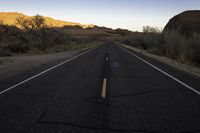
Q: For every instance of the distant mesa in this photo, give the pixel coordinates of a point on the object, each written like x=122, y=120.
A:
x=9, y=18
x=186, y=23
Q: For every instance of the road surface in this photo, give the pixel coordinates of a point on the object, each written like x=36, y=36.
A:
x=107, y=89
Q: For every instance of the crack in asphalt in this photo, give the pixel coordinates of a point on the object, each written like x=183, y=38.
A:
x=144, y=92
x=96, y=128
x=31, y=95
x=192, y=131
x=40, y=116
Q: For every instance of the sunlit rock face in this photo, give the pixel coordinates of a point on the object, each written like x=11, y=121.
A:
x=186, y=23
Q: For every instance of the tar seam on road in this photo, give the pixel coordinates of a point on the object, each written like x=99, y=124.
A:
x=45, y=71
x=165, y=73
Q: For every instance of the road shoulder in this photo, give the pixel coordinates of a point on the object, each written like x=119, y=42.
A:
x=16, y=65
x=180, y=66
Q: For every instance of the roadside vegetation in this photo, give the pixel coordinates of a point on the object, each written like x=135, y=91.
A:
x=172, y=44
x=33, y=35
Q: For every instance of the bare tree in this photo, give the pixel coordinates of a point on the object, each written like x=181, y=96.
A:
x=24, y=23
x=38, y=22
x=149, y=29
x=34, y=23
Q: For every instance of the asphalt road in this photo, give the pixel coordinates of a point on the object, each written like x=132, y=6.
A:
x=104, y=90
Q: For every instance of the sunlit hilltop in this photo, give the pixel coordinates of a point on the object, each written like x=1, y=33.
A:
x=9, y=18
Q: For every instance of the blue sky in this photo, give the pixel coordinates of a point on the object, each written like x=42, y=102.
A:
x=128, y=14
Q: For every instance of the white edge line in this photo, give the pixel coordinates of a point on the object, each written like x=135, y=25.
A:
x=177, y=80
x=45, y=71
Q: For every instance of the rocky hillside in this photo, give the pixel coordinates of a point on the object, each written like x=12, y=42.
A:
x=186, y=23
x=9, y=18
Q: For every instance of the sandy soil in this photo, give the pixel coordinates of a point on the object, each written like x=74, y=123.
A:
x=11, y=66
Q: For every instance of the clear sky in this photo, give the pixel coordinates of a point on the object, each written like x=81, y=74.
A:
x=128, y=14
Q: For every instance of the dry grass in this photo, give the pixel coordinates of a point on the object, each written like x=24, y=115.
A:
x=170, y=44
x=5, y=60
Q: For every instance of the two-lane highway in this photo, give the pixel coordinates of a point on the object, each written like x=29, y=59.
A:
x=107, y=89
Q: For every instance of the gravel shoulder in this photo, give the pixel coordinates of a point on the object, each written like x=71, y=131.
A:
x=183, y=67
x=15, y=65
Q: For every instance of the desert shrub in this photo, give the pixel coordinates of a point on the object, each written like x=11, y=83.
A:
x=172, y=44
x=146, y=41
x=192, y=49
x=182, y=48
x=4, y=52
x=32, y=35
x=17, y=46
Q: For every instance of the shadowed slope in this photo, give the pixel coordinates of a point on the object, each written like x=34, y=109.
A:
x=187, y=22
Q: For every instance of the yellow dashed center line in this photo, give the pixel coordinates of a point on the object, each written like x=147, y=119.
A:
x=103, y=94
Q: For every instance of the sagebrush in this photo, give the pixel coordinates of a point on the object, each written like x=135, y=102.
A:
x=172, y=44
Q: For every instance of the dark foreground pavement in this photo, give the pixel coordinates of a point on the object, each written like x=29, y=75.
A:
x=68, y=99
